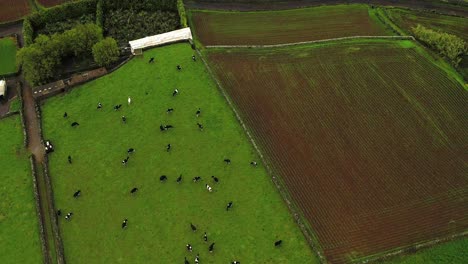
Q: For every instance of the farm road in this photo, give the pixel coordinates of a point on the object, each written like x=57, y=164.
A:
x=32, y=124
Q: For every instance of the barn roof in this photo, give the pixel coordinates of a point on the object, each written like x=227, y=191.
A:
x=160, y=39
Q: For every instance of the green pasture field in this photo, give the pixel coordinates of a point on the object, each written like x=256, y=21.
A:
x=453, y=252
x=159, y=214
x=285, y=26
x=7, y=55
x=19, y=234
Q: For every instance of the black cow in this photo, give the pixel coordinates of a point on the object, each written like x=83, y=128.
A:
x=168, y=126
x=189, y=247
x=186, y=261
x=175, y=92
x=77, y=194
x=124, y=162
x=168, y=147
x=205, y=237
x=65, y=115
x=179, y=179
x=194, y=58
x=179, y=68
x=99, y=106
x=69, y=159
x=253, y=163
x=134, y=190
x=124, y=223
x=59, y=212
x=198, y=113
x=124, y=119
x=130, y=150
x=163, y=178
x=197, y=259
x=235, y=262
x=170, y=110
x=200, y=126
x=117, y=107
x=215, y=179
x=151, y=60
x=229, y=206
x=196, y=178
x=228, y=161
x=75, y=124
x=278, y=243
x=211, y=248
x=162, y=128
x=194, y=228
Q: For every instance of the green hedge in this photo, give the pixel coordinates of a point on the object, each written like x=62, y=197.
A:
x=182, y=15
x=100, y=13
x=28, y=32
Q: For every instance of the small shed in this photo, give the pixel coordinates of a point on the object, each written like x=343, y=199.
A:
x=3, y=89
x=138, y=45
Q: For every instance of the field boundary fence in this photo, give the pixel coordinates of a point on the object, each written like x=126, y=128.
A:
x=309, y=42
x=411, y=248
x=280, y=186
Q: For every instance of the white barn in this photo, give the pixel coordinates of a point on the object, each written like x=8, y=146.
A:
x=138, y=45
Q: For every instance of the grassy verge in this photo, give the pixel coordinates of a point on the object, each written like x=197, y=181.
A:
x=160, y=213
x=19, y=235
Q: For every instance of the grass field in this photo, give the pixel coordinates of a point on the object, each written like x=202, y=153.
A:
x=19, y=234
x=287, y=26
x=368, y=136
x=7, y=56
x=13, y=10
x=453, y=252
x=160, y=214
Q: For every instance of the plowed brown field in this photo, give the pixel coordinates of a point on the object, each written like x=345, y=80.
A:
x=370, y=139
x=11, y=10
x=287, y=26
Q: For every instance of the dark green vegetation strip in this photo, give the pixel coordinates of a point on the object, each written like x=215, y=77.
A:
x=453, y=252
x=159, y=214
x=279, y=27
x=19, y=235
x=7, y=56
x=368, y=137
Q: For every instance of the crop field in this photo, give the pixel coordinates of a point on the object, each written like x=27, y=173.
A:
x=7, y=55
x=159, y=213
x=13, y=10
x=19, y=234
x=369, y=138
x=287, y=26
x=49, y=3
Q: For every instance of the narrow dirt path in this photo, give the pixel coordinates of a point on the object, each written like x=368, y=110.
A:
x=53, y=248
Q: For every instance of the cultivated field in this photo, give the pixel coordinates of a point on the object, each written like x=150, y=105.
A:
x=11, y=10
x=278, y=27
x=7, y=55
x=19, y=234
x=159, y=214
x=368, y=136
x=49, y=3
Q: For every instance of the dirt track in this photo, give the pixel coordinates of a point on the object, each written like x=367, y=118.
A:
x=460, y=10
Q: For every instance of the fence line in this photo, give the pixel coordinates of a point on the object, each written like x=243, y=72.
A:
x=310, y=42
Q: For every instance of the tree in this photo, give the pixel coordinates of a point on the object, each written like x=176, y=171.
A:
x=83, y=37
x=105, y=52
x=450, y=46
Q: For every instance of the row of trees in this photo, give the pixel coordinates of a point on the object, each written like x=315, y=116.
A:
x=42, y=59
x=450, y=46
